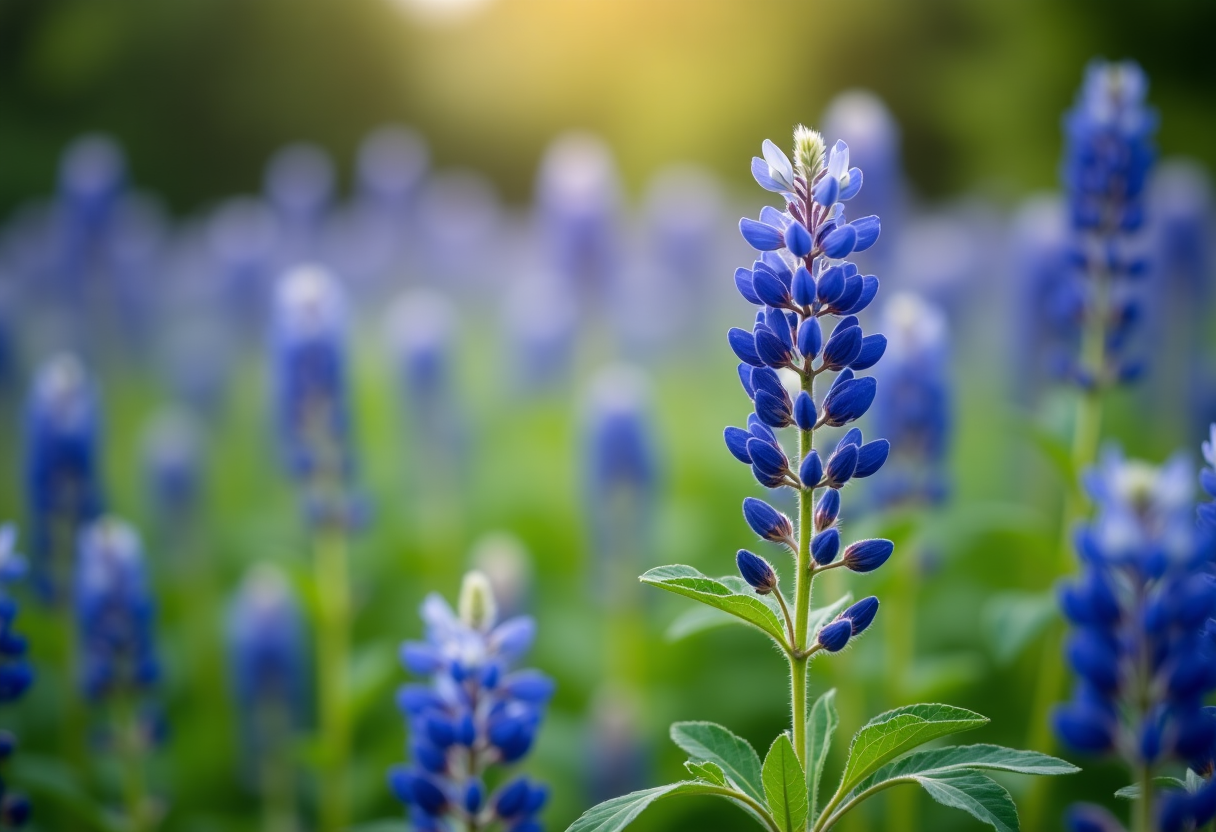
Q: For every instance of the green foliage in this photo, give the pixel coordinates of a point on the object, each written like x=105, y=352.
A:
x=708, y=742
x=785, y=786
x=820, y=726
x=979, y=796
x=705, y=770
x=684, y=580
x=1132, y=792
x=888, y=735
x=619, y=812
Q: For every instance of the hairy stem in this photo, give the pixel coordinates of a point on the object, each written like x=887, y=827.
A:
x=802, y=593
x=333, y=609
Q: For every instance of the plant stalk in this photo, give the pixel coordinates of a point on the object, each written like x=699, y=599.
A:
x=333, y=645
x=802, y=591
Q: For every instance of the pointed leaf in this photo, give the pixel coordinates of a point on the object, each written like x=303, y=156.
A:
x=619, y=812
x=820, y=726
x=956, y=758
x=709, y=742
x=686, y=581
x=1132, y=792
x=705, y=770
x=888, y=735
x=785, y=786
x=979, y=796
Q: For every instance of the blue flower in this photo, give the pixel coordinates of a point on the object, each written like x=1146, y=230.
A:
x=914, y=411
x=62, y=466
x=478, y=712
x=312, y=407
x=1108, y=155
x=807, y=298
x=1145, y=590
x=115, y=612
x=266, y=659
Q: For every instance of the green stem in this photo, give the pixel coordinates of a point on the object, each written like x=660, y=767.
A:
x=802, y=591
x=901, y=805
x=1087, y=434
x=1144, y=806
x=333, y=608
x=275, y=772
x=134, y=775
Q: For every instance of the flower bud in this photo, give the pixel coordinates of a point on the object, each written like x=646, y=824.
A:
x=833, y=637
x=766, y=521
x=861, y=614
x=867, y=555
x=756, y=571
x=825, y=546
x=477, y=607
x=827, y=509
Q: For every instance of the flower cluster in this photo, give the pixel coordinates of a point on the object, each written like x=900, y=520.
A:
x=799, y=281
x=266, y=655
x=1108, y=155
x=1207, y=479
x=62, y=476
x=1139, y=611
x=310, y=388
x=476, y=713
x=115, y=612
x=16, y=675
x=914, y=412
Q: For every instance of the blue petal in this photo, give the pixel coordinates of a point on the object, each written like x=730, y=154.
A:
x=760, y=236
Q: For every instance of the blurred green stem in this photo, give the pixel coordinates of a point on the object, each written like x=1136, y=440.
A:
x=802, y=588
x=901, y=601
x=333, y=663
x=1087, y=434
x=275, y=775
x=131, y=746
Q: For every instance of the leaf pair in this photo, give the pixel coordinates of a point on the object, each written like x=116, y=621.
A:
x=781, y=797
x=879, y=758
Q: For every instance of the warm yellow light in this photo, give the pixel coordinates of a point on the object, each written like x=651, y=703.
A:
x=442, y=11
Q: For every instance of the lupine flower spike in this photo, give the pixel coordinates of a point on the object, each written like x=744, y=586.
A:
x=807, y=297
x=1139, y=612
x=1109, y=152
x=115, y=616
x=267, y=665
x=477, y=714
x=16, y=675
x=62, y=476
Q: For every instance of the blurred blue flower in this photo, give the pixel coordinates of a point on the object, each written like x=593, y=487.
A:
x=1108, y=154
x=115, y=612
x=621, y=470
x=173, y=462
x=1138, y=612
x=62, y=467
x=266, y=660
x=914, y=411
x=477, y=713
x=312, y=407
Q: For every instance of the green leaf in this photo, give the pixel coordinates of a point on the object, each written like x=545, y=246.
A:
x=820, y=726
x=1132, y=792
x=709, y=742
x=697, y=620
x=619, y=812
x=888, y=735
x=785, y=786
x=48, y=780
x=705, y=770
x=979, y=796
x=1194, y=782
x=956, y=758
x=686, y=581
x=1012, y=620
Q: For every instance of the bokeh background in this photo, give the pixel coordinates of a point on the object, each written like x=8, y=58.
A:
x=634, y=119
